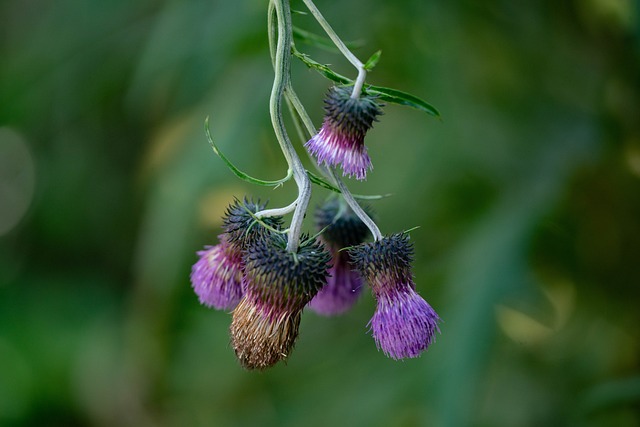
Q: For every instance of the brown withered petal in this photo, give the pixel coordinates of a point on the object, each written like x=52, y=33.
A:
x=260, y=340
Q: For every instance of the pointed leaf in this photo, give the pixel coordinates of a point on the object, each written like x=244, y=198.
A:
x=322, y=69
x=403, y=98
x=237, y=171
x=325, y=43
x=384, y=93
x=372, y=61
x=322, y=183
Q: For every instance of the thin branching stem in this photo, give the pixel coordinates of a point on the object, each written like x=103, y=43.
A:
x=280, y=81
x=362, y=72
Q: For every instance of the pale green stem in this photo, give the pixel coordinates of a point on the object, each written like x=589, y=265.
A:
x=294, y=101
x=282, y=73
x=277, y=211
x=362, y=72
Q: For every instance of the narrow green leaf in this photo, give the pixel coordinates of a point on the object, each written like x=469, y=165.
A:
x=322, y=69
x=237, y=171
x=384, y=93
x=372, y=61
x=411, y=229
x=321, y=42
x=398, y=97
x=322, y=183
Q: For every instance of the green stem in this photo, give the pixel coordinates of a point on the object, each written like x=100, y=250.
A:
x=281, y=80
x=295, y=102
x=362, y=72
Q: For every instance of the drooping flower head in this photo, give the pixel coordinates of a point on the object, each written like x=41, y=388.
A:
x=278, y=284
x=340, y=141
x=217, y=275
x=404, y=324
x=344, y=285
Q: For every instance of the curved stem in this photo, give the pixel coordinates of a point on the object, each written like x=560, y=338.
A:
x=362, y=72
x=281, y=65
x=355, y=207
x=277, y=211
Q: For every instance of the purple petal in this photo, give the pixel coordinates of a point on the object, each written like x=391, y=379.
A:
x=332, y=147
x=217, y=277
x=404, y=324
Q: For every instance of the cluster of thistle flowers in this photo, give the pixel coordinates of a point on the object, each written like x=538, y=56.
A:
x=252, y=272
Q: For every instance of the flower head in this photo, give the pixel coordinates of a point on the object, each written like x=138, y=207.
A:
x=241, y=227
x=404, y=324
x=217, y=275
x=278, y=284
x=342, y=228
x=340, y=141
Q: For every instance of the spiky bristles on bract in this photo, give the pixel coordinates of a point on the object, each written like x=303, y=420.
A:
x=241, y=227
x=278, y=284
x=340, y=140
x=352, y=116
x=216, y=277
x=391, y=256
x=282, y=279
x=342, y=227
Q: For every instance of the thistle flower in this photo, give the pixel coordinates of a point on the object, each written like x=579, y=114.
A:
x=344, y=285
x=241, y=227
x=216, y=277
x=340, y=141
x=278, y=284
x=404, y=324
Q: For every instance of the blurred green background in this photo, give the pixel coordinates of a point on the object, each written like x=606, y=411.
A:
x=527, y=194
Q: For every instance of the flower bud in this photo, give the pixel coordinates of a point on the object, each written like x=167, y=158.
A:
x=241, y=227
x=404, y=324
x=342, y=228
x=278, y=284
x=340, y=141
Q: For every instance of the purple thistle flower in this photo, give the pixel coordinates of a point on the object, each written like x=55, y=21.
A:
x=217, y=276
x=340, y=141
x=404, y=324
x=342, y=228
x=278, y=284
x=343, y=288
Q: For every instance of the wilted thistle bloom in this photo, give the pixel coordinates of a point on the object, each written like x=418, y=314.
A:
x=217, y=276
x=404, y=324
x=278, y=284
x=344, y=285
x=340, y=141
